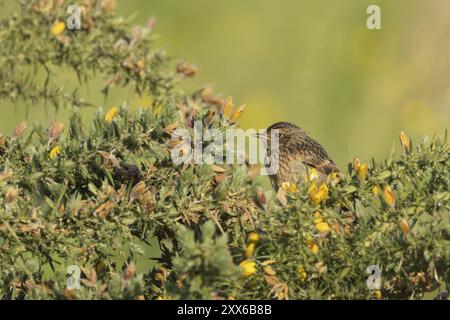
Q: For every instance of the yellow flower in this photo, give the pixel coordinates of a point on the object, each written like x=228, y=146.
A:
x=58, y=28
x=318, y=194
x=334, y=178
x=249, y=250
x=55, y=152
x=238, y=113
x=376, y=190
x=389, y=196
x=253, y=237
x=302, y=273
x=362, y=172
x=313, y=247
x=404, y=225
x=289, y=187
x=111, y=114
x=318, y=217
x=158, y=109
x=228, y=107
x=313, y=174
x=356, y=165
x=405, y=141
x=378, y=294
x=249, y=267
x=322, y=227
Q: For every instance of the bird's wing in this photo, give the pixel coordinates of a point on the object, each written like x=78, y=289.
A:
x=315, y=156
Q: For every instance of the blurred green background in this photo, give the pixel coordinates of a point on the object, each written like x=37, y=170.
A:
x=311, y=62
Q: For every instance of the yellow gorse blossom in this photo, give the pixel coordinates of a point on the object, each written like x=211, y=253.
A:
x=376, y=190
x=322, y=226
x=228, y=107
x=58, y=28
x=229, y=111
x=249, y=267
x=318, y=195
x=55, y=152
x=378, y=294
x=302, y=273
x=237, y=113
x=289, y=187
x=111, y=114
x=313, y=174
x=388, y=195
x=313, y=247
x=334, y=178
x=253, y=237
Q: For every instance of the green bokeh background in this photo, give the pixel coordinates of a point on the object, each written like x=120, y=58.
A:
x=312, y=62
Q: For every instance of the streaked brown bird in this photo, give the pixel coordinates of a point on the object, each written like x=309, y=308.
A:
x=297, y=154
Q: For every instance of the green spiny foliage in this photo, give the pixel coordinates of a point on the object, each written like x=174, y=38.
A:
x=98, y=192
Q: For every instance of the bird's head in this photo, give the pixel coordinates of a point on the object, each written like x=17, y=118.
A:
x=281, y=131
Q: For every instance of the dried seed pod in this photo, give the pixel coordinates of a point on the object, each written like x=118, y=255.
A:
x=11, y=195
x=129, y=272
x=186, y=69
x=19, y=130
x=54, y=130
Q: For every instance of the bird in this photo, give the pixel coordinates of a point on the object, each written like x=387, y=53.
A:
x=296, y=154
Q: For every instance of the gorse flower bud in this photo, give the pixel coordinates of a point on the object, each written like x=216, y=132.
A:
x=249, y=250
x=404, y=226
x=58, y=28
x=405, y=142
x=362, y=172
x=389, y=196
x=356, y=165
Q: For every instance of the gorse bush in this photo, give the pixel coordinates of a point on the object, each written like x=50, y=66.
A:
x=95, y=193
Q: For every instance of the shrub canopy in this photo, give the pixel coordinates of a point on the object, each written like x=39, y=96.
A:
x=97, y=193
